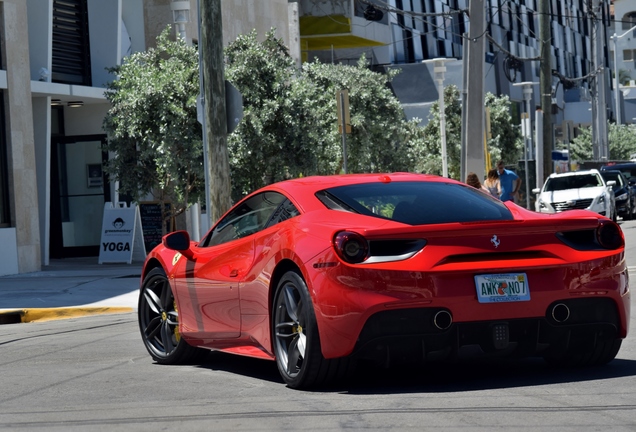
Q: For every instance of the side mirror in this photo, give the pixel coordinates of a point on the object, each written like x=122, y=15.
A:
x=536, y=190
x=178, y=241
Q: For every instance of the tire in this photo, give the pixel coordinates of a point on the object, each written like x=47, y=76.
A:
x=159, y=322
x=296, y=340
x=584, y=355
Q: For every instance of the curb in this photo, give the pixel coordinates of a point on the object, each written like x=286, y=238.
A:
x=50, y=314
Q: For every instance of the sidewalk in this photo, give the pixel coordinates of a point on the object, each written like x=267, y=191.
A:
x=68, y=288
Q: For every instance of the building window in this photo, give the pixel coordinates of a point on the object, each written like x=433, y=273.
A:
x=5, y=214
x=71, y=62
x=629, y=21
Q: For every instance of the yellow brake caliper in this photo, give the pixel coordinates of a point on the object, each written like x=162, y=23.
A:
x=176, y=328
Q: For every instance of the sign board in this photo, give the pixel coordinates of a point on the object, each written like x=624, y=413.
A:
x=560, y=155
x=121, y=239
x=152, y=223
x=344, y=115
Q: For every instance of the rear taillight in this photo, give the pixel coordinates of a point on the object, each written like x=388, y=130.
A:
x=609, y=235
x=351, y=247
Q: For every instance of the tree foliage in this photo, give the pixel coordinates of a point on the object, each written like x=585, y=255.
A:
x=621, y=140
x=154, y=136
x=290, y=125
x=505, y=142
x=431, y=158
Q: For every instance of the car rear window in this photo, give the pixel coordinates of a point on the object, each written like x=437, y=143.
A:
x=416, y=203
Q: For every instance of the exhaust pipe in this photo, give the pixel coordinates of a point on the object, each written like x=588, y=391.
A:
x=443, y=320
x=560, y=312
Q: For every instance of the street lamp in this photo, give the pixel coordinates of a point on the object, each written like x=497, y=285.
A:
x=527, y=95
x=181, y=16
x=439, y=69
x=617, y=98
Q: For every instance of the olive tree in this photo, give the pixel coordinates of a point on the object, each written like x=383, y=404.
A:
x=290, y=124
x=505, y=142
x=153, y=134
x=621, y=141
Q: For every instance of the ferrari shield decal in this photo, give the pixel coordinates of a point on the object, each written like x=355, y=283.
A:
x=175, y=258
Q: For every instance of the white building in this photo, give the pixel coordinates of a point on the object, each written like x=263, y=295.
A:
x=625, y=55
x=54, y=55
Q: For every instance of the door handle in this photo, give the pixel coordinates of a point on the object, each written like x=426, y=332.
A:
x=234, y=273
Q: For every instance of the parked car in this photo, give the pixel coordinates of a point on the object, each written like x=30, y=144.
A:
x=627, y=168
x=624, y=193
x=318, y=273
x=577, y=190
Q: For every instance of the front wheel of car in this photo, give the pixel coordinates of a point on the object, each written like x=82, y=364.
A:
x=296, y=339
x=159, y=322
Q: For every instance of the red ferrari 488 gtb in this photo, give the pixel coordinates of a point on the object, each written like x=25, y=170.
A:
x=316, y=273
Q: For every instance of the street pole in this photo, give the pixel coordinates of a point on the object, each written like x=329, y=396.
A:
x=527, y=138
x=545, y=79
x=474, y=131
x=439, y=78
x=601, y=108
x=617, y=94
x=294, y=33
x=439, y=69
x=217, y=160
x=464, y=102
x=538, y=166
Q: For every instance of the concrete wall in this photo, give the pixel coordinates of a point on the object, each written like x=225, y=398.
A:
x=40, y=24
x=19, y=125
x=104, y=26
x=8, y=254
x=239, y=17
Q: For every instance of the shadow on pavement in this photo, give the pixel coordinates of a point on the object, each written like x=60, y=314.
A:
x=435, y=378
x=72, y=282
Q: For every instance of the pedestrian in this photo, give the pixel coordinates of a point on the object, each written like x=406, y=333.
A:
x=473, y=180
x=509, y=182
x=492, y=183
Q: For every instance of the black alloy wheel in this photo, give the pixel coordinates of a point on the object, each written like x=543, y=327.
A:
x=296, y=339
x=159, y=322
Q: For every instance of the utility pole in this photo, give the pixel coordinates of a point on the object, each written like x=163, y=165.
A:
x=474, y=56
x=216, y=161
x=545, y=86
x=599, y=110
x=294, y=33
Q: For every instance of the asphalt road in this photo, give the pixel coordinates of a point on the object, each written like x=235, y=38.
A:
x=93, y=373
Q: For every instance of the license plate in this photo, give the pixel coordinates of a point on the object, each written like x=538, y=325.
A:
x=495, y=288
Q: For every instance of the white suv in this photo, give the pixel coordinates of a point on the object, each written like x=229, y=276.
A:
x=577, y=190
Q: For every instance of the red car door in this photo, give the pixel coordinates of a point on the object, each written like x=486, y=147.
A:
x=208, y=290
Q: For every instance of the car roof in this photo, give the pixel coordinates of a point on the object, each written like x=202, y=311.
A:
x=631, y=165
x=575, y=173
x=314, y=184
